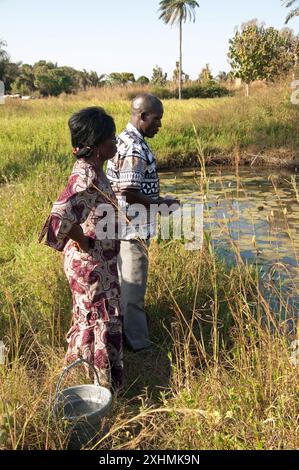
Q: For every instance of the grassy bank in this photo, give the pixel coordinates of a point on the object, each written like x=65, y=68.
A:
x=260, y=130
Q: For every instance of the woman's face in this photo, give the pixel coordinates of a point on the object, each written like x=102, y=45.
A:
x=108, y=148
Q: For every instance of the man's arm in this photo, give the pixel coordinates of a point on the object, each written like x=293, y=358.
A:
x=134, y=196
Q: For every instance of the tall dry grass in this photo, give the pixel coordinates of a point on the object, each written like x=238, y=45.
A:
x=220, y=375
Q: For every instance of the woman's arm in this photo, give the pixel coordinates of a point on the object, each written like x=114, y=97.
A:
x=66, y=218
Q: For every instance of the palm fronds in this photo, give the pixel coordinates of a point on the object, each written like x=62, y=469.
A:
x=174, y=11
x=294, y=12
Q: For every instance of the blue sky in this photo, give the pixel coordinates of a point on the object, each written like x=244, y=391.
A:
x=126, y=35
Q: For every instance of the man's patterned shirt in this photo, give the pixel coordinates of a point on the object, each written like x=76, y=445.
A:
x=134, y=167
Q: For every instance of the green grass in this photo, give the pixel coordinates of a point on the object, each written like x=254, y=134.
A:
x=218, y=379
x=34, y=134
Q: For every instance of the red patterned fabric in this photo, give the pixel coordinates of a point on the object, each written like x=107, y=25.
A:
x=96, y=330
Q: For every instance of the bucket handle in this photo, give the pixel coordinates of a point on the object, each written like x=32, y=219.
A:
x=67, y=369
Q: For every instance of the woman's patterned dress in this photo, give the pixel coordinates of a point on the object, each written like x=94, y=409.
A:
x=96, y=330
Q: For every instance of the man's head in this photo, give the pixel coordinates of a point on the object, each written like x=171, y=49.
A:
x=147, y=114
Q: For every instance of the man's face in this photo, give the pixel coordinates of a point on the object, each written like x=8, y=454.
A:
x=151, y=122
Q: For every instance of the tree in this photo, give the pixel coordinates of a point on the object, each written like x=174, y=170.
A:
x=260, y=53
x=223, y=76
x=128, y=77
x=52, y=80
x=178, y=12
x=205, y=75
x=11, y=73
x=83, y=79
x=176, y=74
x=43, y=81
x=44, y=64
x=292, y=52
x=143, y=80
x=123, y=78
x=96, y=80
x=4, y=59
x=24, y=82
x=158, y=77
x=294, y=12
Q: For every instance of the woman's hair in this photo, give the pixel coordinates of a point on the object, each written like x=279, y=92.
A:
x=89, y=128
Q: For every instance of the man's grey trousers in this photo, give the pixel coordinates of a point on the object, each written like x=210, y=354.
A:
x=133, y=271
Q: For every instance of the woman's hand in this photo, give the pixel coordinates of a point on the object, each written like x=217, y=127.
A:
x=84, y=244
x=77, y=235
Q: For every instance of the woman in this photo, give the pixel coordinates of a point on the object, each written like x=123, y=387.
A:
x=90, y=264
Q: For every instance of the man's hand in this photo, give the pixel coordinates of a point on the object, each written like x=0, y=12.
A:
x=170, y=201
x=134, y=196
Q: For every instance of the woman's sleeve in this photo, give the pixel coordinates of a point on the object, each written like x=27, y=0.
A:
x=72, y=208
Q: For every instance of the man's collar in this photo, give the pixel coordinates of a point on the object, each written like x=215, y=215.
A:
x=133, y=129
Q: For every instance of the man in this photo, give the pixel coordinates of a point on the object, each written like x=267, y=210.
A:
x=133, y=176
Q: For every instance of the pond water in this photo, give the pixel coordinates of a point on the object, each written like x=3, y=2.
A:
x=257, y=209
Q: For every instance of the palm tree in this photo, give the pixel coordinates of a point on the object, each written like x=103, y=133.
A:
x=178, y=12
x=95, y=79
x=4, y=58
x=294, y=12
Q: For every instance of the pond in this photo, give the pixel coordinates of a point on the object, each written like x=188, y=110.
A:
x=257, y=211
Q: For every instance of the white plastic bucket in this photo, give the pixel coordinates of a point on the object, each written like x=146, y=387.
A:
x=82, y=407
